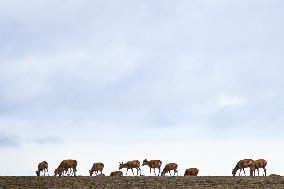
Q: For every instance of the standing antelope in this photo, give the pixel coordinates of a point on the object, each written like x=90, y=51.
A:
x=241, y=165
x=42, y=166
x=96, y=167
x=153, y=164
x=116, y=173
x=130, y=165
x=169, y=167
x=65, y=165
x=260, y=163
x=191, y=172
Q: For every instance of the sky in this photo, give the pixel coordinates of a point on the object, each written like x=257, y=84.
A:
x=196, y=82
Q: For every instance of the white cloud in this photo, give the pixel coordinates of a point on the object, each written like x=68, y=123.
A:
x=228, y=100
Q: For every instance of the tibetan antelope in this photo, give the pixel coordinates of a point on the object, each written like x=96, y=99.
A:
x=130, y=165
x=191, y=172
x=65, y=165
x=169, y=167
x=42, y=166
x=260, y=163
x=241, y=165
x=116, y=174
x=153, y=164
x=96, y=168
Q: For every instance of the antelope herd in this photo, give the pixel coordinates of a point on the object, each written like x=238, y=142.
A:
x=252, y=164
x=69, y=167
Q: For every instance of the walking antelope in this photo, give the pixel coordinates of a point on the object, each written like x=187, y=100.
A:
x=96, y=167
x=169, y=167
x=65, y=165
x=153, y=164
x=42, y=166
x=116, y=173
x=260, y=163
x=242, y=164
x=191, y=172
x=130, y=165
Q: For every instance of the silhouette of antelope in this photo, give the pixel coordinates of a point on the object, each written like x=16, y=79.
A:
x=130, y=165
x=42, y=167
x=169, y=167
x=65, y=165
x=116, y=174
x=153, y=164
x=260, y=163
x=191, y=172
x=96, y=168
x=241, y=165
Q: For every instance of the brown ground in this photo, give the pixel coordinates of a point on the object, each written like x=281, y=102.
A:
x=141, y=182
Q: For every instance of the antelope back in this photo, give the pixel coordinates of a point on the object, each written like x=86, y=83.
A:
x=191, y=171
x=98, y=166
x=42, y=165
x=155, y=163
x=116, y=173
x=171, y=166
x=132, y=164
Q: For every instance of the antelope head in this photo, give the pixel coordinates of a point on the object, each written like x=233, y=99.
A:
x=57, y=171
x=145, y=162
x=120, y=165
x=234, y=171
x=91, y=172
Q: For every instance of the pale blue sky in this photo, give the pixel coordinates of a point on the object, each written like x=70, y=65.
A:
x=110, y=72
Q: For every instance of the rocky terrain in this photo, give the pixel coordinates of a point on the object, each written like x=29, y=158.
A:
x=84, y=182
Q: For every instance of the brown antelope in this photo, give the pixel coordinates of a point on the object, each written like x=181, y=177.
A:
x=191, y=172
x=153, y=164
x=241, y=165
x=65, y=165
x=130, y=165
x=116, y=174
x=260, y=163
x=42, y=166
x=169, y=167
x=96, y=167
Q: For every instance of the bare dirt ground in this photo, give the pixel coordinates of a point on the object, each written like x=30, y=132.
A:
x=83, y=182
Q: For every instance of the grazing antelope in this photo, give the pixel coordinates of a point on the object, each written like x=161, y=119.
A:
x=130, y=165
x=191, y=172
x=260, y=163
x=116, y=174
x=65, y=165
x=241, y=165
x=96, y=167
x=42, y=166
x=169, y=167
x=153, y=164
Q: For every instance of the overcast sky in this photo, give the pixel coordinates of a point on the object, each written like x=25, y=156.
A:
x=197, y=82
